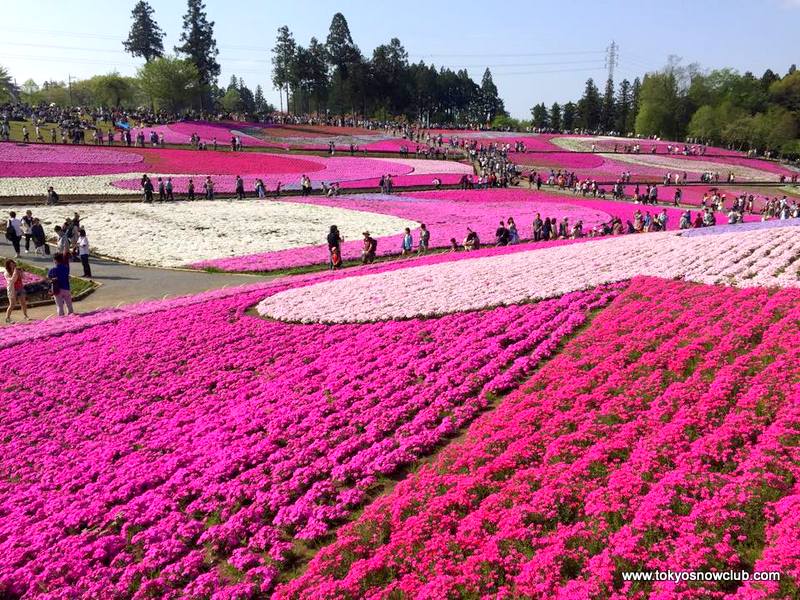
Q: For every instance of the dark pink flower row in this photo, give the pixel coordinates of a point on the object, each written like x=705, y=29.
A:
x=665, y=437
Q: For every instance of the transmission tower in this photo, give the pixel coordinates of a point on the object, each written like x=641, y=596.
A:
x=612, y=59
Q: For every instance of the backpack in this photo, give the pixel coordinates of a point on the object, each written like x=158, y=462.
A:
x=11, y=233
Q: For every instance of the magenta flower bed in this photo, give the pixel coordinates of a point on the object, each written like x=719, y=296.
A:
x=18, y=160
x=672, y=446
x=446, y=213
x=270, y=168
x=404, y=181
x=561, y=160
x=176, y=461
x=181, y=132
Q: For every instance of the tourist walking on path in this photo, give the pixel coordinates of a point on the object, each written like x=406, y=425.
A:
x=370, y=248
x=62, y=244
x=239, y=188
x=83, y=252
x=335, y=247
x=408, y=242
x=424, y=239
x=14, y=231
x=39, y=239
x=15, y=290
x=147, y=188
x=59, y=284
x=208, y=186
x=27, y=228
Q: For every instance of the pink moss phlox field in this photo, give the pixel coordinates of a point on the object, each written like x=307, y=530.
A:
x=181, y=132
x=19, y=160
x=664, y=437
x=184, y=452
x=447, y=215
x=271, y=169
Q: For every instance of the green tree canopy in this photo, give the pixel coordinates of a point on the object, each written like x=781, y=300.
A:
x=170, y=82
x=145, y=38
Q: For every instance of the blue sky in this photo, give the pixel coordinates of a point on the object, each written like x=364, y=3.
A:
x=538, y=51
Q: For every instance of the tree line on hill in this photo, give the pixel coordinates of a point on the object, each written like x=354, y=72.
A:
x=721, y=107
x=334, y=77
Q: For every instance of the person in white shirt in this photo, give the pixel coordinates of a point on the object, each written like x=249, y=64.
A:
x=83, y=252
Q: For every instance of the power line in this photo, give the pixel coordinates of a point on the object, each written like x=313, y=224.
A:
x=513, y=55
x=102, y=36
x=598, y=68
x=612, y=59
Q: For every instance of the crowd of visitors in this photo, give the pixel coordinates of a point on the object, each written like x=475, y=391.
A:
x=71, y=244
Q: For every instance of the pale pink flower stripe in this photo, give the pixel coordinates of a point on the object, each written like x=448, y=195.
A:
x=185, y=452
x=662, y=438
x=52, y=326
x=763, y=257
x=446, y=213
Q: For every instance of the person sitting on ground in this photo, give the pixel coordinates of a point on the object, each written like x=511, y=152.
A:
x=52, y=196
x=369, y=250
x=563, y=229
x=453, y=245
x=501, y=235
x=471, y=242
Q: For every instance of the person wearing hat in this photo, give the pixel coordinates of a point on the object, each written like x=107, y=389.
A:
x=370, y=248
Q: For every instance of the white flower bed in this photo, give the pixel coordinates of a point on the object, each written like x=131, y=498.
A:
x=83, y=185
x=754, y=258
x=179, y=233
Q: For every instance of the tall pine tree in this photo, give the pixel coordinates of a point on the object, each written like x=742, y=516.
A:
x=539, y=116
x=145, y=38
x=200, y=47
x=589, y=107
x=623, y=107
x=636, y=92
x=555, y=117
x=608, y=111
x=569, y=116
x=492, y=104
x=283, y=58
